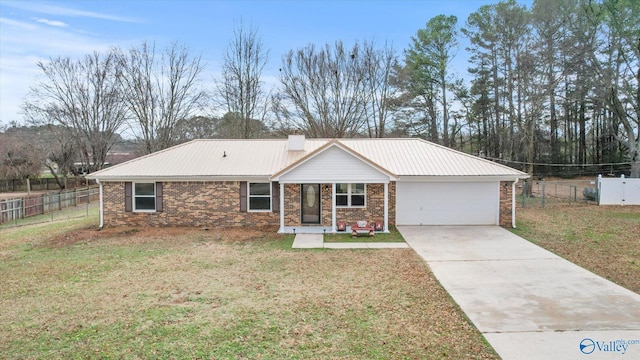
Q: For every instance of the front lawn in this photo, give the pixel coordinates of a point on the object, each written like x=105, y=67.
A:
x=392, y=236
x=74, y=292
x=602, y=239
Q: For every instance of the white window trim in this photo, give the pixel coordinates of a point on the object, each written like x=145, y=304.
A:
x=249, y=196
x=349, y=194
x=134, y=196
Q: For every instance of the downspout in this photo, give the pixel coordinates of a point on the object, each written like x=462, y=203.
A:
x=513, y=204
x=101, y=205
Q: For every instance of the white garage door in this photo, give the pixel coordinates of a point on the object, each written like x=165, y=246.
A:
x=420, y=203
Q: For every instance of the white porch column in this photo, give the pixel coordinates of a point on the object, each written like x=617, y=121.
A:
x=281, y=207
x=386, y=207
x=333, y=208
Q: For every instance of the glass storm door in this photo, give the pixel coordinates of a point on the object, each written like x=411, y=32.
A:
x=310, y=203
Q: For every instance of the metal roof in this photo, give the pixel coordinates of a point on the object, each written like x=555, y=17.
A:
x=228, y=159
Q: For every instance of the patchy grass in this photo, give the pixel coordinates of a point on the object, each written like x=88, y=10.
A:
x=187, y=293
x=602, y=239
x=67, y=214
x=392, y=236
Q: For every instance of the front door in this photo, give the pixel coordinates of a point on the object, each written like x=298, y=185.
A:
x=310, y=203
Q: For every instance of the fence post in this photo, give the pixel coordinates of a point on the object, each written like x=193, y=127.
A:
x=543, y=194
x=50, y=209
x=524, y=193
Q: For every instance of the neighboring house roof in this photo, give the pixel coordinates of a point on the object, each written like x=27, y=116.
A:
x=233, y=159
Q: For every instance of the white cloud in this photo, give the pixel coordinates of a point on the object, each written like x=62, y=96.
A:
x=26, y=42
x=17, y=24
x=49, y=9
x=51, y=22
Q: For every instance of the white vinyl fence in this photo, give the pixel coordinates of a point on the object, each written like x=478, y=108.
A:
x=618, y=191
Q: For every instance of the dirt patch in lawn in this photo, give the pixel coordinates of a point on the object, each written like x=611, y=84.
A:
x=223, y=293
x=602, y=239
x=128, y=235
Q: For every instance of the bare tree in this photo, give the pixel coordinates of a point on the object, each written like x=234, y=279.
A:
x=196, y=127
x=378, y=65
x=324, y=92
x=84, y=98
x=160, y=90
x=18, y=159
x=60, y=155
x=240, y=90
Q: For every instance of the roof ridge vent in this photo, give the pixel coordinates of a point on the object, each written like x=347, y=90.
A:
x=295, y=143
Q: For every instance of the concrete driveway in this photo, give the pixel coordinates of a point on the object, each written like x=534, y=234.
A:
x=528, y=302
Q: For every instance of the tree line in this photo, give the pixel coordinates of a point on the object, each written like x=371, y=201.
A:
x=554, y=84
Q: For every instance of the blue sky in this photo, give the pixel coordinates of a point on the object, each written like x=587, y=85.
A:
x=37, y=30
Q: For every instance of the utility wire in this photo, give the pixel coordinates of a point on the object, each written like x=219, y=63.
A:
x=545, y=164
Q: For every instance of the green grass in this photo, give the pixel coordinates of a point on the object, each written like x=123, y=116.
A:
x=603, y=239
x=74, y=292
x=392, y=236
x=26, y=236
x=67, y=214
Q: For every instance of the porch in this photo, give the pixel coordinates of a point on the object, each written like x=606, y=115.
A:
x=318, y=208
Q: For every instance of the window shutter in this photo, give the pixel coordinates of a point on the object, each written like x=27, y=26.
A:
x=275, y=197
x=128, y=201
x=159, y=207
x=243, y=196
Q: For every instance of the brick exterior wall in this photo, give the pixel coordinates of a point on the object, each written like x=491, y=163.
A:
x=375, y=206
x=292, y=204
x=373, y=211
x=506, y=189
x=186, y=204
x=218, y=204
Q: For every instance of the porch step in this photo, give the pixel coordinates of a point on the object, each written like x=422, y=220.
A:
x=308, y=241
x=316, y=241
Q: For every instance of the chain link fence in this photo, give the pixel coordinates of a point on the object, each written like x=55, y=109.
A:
x=48, y=207
x=543, y=193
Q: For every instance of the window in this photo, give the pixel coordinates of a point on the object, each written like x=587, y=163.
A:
x=259, y=197
x=350, y=195
x=144, y=197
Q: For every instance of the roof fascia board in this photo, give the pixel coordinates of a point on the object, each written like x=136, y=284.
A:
x=461, y=178
x=256, y=178
x=321, y=182
x=325, y=147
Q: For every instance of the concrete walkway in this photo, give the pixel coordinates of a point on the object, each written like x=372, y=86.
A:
x=528, y=302
x=315, y=241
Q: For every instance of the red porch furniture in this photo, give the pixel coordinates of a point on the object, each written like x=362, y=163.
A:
x=362, y=226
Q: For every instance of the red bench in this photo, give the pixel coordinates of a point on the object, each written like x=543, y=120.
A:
x=356, y=228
